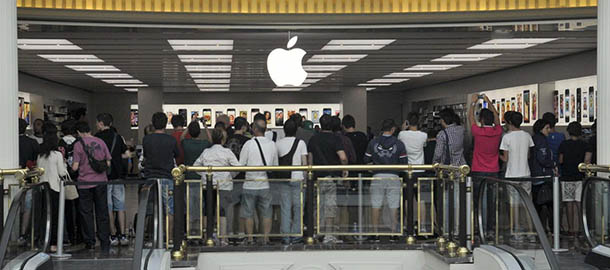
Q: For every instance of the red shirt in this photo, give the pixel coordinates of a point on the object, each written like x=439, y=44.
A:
x=176, y=135
x=486, y=148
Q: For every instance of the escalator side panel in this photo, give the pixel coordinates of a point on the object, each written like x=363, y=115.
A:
x=157, y=259
x=492, y=258
x=40, y=261
x=599, y=257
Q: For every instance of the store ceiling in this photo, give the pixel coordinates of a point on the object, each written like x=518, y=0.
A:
x=146, y=55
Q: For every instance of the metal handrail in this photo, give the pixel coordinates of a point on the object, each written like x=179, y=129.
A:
x=13, y=214
x=585, y=198
x=529, y=206
x=144, y=196
x=590, y=169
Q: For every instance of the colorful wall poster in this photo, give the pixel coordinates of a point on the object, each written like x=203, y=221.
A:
x=518, y=99
x=268, y=117
x=279, y=117
x=315, y=116
x=133, y=118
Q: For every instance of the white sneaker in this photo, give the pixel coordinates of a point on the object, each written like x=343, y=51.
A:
x=114, y=241
x=124, y=241
x=329, y=239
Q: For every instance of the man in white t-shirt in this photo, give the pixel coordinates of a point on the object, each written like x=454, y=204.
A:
x=259, y=151
x=516, y=144
x=413, y=139
x=291, y=151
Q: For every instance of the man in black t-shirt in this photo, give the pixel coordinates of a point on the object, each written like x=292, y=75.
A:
x=326, y=148
x=160, y=152
x=28, y=147
x=116, y=193
x=358, y=138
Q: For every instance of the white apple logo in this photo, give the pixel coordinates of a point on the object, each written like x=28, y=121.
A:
x=285, y=66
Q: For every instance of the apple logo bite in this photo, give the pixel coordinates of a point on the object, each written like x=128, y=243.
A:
x=285, y=66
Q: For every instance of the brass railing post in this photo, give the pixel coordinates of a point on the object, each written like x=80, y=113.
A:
x=309, y=205
x=463, y=251
x=408, y=178
x=179, y=215
x=209, y=209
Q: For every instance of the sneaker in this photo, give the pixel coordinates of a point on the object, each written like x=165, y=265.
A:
x=114, y=241
x=124, y=241
x=329, y=239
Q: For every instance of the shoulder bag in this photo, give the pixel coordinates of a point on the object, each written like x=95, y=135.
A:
x=98, y=166
x=286, y=160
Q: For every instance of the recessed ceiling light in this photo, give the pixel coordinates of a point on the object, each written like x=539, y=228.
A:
x=407, y=74
x=357, y=44
x=93, y=68
x=65, y=58
x=299, y=86
x=511, y=43
x=212, y=81
x=466, y=57
x=206, y=58
x=46, y=44
x=286, y=89
x=131, y=89
x=431, y=67
x=201, y=45
x=210, y=75
x=311, y=80
x=323, y=67
x=214, y=89
x=109, y=75
x=374, y=84
x=371, y=88
x=335, y=58
x=208, y=67
x=122, y=81
x=213, y=85
x=387, y=80
x=131, y=85
x=318, y=75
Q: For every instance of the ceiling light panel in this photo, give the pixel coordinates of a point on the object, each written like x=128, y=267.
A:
x=407, y=74
x=122, y=81
x=196, y=68
x=374, y=84
x=213, y=85
x=387, y=80
x=212, y=81
x=323, y=67
x=431, y=67
x=214, y=89
x=131, y=89
x=206, y=58
x=201, y=45
x=335, y=58
x=511, y=43
x=92, y=68
x=71, y=58
x=371, y=88
x=109, y=75
x=311, y=80
x=210, y=75
x=318, y=74
x=286, y=89
x=356, y=44
x=46, y=44
x=131, y=85
x=467, y=57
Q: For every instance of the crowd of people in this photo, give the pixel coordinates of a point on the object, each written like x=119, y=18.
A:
x=500, y=150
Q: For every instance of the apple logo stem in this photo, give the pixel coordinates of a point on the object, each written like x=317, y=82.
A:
x=285, y=67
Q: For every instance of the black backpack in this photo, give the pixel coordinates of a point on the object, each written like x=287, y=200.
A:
x=286, y=160
x=98, y=166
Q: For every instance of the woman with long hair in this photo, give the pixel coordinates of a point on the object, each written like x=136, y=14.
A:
x=55, y=169
x=543, y=168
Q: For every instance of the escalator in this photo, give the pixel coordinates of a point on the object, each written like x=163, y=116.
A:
x=509, y=227
x=596, y=220
x=25, y=242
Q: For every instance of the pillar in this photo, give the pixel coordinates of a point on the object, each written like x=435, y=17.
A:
x=9, y=135
x=150, y=101
x=354, y=103
x=603, y=82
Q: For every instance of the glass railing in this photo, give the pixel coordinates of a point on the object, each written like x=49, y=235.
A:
x=595, y=206
x=508, y=219
x=27, y=228
x=393, y=202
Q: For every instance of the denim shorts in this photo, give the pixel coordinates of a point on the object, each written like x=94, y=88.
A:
x=116, y=197
x=167, y=190
x=259, y=198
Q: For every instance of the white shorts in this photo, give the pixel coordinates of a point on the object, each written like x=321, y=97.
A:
x=388, y=189
x=571, y=191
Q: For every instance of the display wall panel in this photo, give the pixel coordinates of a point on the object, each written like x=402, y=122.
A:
x=276, y=114
x=523, y=99
x=576, y=100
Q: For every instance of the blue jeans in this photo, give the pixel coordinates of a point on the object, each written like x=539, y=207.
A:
x=290, y=207
x=195, y=201
x=167, y=187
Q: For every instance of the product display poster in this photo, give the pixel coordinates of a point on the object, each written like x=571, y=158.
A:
x=585, y=105
x=502, y=109
x=183, y=112
x=27, y=112
x=578, y=105
x=290, y=113
x=573, y=106
x=520, y=102
x=279, y=117
x=253, y=112
x=556, y=103
x=243, y=114
x=561, y=107
x=170, y=115
x=231, y=114
x=207, y=117
x=591, y=104
x=327, y=111
x=194, y=116
x=133, y=117
x=315, y=116
x=522, y=99
x=218, y=113
x=534, y=106
x=567, y=105
x=526, y=106
x=513, y=105
x=303, y=113
x=268, y=117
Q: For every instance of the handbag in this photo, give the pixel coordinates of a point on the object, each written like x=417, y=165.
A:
x=70, y=191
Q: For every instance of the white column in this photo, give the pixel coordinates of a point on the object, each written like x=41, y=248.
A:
x=9, y=146
x=603, y=82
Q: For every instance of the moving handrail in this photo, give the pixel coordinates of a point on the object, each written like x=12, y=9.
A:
x=584, y=210
x=443, y=172
x=14, y=213
x=20, y=176
x=531, y=210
